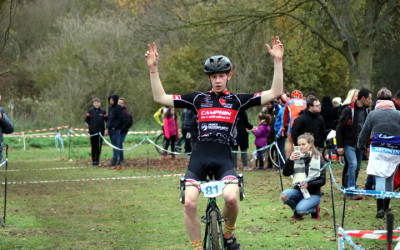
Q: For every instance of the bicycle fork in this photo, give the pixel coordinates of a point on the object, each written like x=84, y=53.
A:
x=213, y=221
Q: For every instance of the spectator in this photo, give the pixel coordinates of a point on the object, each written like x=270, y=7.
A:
x=281, y=134
x=348, y=130
x=396, y=100
x=383, y=124
x=271, y=109
x=171, y=131
x=126, y=124
x=329, y=113
x=350, y=98
x=159, y=115
x=301, y=165
x=114, y=124
x=6, y=127
x=310, y=121
x=310, y=95
x=292, y=111
x=241, y=140
x=337, y=102
x=95, y=119
x=261, y=133
x=189, y=127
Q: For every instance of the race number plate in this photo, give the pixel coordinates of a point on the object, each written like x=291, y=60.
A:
x=212, y=189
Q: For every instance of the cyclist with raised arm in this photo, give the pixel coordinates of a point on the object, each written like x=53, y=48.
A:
x=217, y=111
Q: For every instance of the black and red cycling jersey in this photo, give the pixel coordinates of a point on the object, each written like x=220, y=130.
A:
x=216, y=113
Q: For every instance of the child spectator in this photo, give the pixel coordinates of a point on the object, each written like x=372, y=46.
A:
x=261, y=133
x=171, y=130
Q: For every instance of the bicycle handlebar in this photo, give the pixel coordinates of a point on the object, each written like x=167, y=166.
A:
x=198, y=183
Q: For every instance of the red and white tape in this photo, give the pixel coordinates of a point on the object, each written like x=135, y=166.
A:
x=40, y=130
x=92, y=179
x=375, y=234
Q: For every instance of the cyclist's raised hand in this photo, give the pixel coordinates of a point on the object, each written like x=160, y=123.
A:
x=277, y=48
x=152, y=56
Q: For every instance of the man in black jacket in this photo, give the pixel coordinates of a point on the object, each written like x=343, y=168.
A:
x=114, y=124
x=126, y=124
x=189, y=127
x=348, y=129
x=95, y=119
x=310, y=121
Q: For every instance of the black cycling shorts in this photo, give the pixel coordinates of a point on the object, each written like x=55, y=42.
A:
x=210, y=158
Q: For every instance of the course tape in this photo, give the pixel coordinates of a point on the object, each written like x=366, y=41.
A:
x=342, y=234
x=378, y=194
x=4, y=162
x=93, y=179
x=117, y=148
x=39, y=130
x=161, y=148
x=41, y=169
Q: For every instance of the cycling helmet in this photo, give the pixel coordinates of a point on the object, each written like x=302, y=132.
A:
x=296, y=94
x=217, y=64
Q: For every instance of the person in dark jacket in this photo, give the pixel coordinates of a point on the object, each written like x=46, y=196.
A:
x=271, y=109
x=241, y=140
x=114, y=125
x=310, y=121
x=189, y=127
x=396, y=100
x=6, y=127
x=304, y=164
x=95, y=119
x=329, y=113
x=348, y=129
x=126, y=124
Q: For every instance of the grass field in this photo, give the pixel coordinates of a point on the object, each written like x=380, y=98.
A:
x=145, y=213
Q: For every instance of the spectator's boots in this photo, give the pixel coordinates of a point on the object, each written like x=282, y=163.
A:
x=386, y=205
x=296, y=216
x=173, y=156
x=315, y=215
x=165, y=155
x=380, y=208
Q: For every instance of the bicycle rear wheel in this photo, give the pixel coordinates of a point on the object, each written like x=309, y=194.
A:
x=214, y=239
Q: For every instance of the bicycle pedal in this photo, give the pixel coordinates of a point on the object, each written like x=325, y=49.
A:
x=203, y=219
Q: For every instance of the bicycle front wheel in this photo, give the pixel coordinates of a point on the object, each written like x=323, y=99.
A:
x=214, y=231
x=161, y=143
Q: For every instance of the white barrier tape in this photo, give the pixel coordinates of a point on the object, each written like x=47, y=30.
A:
x=30, y=135
x=125, y=149
x=254, y=153
x=129, y=132
x=41, y=169
x=378, y=194
x=40, y=130
x=92, y=179
x=169, y=152
x=342, y=234
x=80, y=129
x=4, y=162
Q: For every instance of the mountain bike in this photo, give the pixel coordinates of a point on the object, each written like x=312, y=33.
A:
x=213, y=236
x=179, y=145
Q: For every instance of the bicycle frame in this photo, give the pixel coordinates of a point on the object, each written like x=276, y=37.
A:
x=213, y=217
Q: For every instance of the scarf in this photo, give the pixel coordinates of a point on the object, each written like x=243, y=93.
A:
x=384, y=104
x=299, y=170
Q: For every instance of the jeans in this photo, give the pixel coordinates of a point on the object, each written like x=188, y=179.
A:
x=297, y=202
x=121, y=146
x=281, y=145
x=114, y=137
x=384, y=184
x=354, y=157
